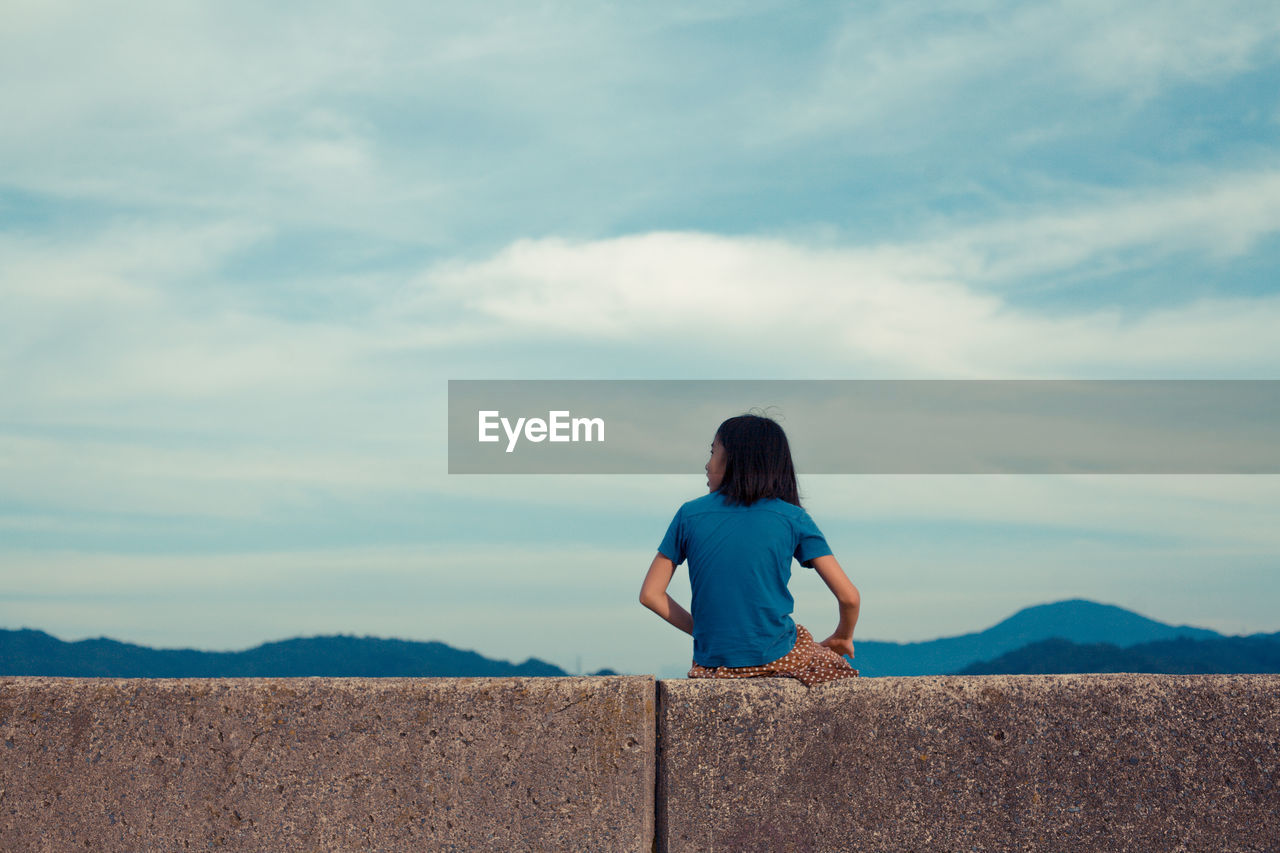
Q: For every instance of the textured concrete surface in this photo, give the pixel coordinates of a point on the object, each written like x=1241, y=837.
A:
x=326, y=764
x=1052, y=763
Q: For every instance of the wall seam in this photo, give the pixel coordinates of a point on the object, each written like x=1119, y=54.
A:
x=659, y=774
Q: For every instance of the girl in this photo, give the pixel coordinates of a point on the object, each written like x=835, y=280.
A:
x=739, y=541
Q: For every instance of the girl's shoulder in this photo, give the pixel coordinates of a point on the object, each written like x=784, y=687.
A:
x=708, y=502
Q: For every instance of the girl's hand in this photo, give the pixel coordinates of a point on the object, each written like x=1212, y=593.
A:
x=839, y=645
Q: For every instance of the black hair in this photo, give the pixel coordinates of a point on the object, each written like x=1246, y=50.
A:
x=758, y=461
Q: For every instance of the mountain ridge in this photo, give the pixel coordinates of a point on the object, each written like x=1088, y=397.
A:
x=1080, y=623
x=28, y=651
x=1077, y=620
x=1255, y=653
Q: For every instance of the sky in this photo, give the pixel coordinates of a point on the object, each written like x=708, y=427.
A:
x=244, y=247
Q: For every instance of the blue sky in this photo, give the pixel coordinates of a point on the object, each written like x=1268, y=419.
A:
x=243, y=248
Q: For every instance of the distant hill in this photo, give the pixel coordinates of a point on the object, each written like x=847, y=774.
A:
x=28, y=652
x=1065, y=636
x=1256, y=653
x=1075, y=620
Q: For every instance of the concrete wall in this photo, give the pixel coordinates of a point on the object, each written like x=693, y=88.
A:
x=1053, y=763
x=978, y=763
x=326, y=764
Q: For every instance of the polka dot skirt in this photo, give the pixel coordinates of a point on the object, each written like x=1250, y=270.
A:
x=807, y=661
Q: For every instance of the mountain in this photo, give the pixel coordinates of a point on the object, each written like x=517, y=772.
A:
x=1076, y=620
x=28, y=652
x=1256, y=653
x=1078, y=626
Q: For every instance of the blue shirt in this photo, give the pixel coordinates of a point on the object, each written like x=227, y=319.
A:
x=739, y=565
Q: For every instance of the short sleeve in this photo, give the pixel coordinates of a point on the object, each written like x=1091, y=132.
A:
x=810, y=543
x=673, y=544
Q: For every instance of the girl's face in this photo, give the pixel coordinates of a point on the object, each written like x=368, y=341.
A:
x=716, y=465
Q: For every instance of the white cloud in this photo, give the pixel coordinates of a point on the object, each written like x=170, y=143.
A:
x=241, y=104
x=1221, y=215
x=140, y=313
x=137, y=311
x=1136, y=47
x=915, y=65
x=931, y=308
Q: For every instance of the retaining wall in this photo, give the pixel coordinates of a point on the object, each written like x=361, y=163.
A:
x=1120, y=762
x=326, y=764
x=1054, y=763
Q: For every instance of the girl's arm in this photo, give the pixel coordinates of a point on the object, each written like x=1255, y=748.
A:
x=653, y=594
x=841, y=640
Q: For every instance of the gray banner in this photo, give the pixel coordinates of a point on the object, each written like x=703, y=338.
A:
x=871, y=426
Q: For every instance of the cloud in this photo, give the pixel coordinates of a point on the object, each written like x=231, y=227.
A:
x=931, y=308
x=244, y=246
x=1137, y=47
x=1221, y=216
x=142, y=321
x=466, y=129
x=911, y=65
x=137, y=311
